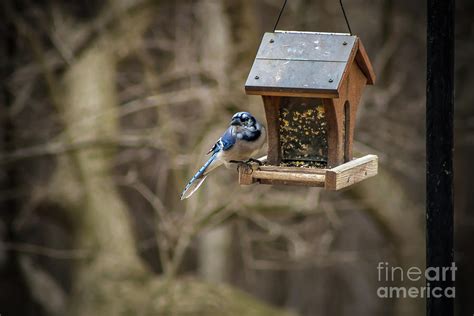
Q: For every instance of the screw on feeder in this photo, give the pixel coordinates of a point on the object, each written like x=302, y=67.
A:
x=272, y=40
x=257, y=77
x=345, y=43
x=330, y=80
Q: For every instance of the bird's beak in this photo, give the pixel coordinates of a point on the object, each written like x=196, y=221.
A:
x=235, y=122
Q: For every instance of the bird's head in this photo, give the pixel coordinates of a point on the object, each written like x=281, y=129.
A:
x=245, y=126
x=244, y=121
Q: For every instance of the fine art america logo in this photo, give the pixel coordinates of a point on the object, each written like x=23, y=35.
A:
x=432, y=275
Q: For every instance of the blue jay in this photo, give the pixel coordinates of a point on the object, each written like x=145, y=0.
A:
x=244, y=138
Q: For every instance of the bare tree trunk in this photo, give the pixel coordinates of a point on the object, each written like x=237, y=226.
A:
x=90, y=112
x=109, y=277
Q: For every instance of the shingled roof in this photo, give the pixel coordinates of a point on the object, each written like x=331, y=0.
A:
x=305, y=63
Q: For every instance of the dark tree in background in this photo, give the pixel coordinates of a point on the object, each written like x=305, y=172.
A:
x=463, y=153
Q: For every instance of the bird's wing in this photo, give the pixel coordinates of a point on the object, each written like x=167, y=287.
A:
x=227, y=140
x=214, y=148
x=196, y=181
x=224, y=143
x=192, y=186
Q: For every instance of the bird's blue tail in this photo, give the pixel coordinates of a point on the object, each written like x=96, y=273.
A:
x=199, y=177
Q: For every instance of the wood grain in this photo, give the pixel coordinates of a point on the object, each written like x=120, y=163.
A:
x=341, y=127
x=293, y=169
x=351, y=172
x=336, y=178
x=289, y=176
x=272, y=114
x=350, y=61
x=292, y=182
x=362, y=59
x=245, y=175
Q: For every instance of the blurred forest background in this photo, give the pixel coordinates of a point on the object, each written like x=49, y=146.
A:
x=108, y=108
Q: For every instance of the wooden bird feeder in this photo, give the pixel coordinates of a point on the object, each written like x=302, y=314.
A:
x=311, y=84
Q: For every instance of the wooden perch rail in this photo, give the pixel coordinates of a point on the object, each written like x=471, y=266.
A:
x=333, y=179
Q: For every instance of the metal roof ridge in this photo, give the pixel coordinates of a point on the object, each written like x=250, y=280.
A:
x=317, y=60
x=307, y=32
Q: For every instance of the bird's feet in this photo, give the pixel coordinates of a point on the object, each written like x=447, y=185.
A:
x=254, y=160
x=246, y=163
x=241, y=163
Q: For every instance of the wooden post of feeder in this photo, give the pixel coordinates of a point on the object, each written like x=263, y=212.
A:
x=343, y=110
x=272, y=113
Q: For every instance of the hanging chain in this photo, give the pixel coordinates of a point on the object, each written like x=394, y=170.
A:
x=345, y=17
x=342, y=8
x=279, y=16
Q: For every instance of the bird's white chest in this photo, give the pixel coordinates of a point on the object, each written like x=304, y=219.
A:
x=243, y=150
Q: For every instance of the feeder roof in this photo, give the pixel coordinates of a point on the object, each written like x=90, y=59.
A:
x=305, y=64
